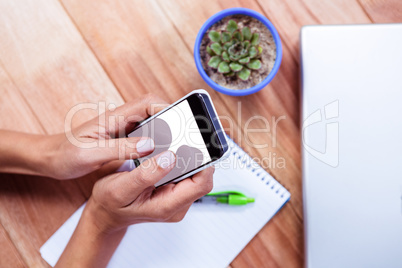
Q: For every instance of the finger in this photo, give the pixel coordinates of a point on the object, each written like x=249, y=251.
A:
x=174, y=197
x=163, y=212
x=123, y=148
x=131, y=184
x=195, y=187
x=128, y=115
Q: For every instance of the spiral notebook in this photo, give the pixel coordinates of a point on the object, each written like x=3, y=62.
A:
x=211, y=235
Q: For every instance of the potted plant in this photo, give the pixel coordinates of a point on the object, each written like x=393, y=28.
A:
x=237, y=51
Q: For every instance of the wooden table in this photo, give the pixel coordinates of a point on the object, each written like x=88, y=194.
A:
x=56, y=54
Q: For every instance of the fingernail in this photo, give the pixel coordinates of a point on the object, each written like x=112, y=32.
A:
x=166, y=160
x=145, y=145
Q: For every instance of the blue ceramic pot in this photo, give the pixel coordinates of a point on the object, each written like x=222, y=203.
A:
x=217, y=17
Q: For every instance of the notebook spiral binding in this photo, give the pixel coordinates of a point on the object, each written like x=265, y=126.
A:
x=243, y=160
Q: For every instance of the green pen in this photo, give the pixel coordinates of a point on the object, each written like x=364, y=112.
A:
x=233, y=198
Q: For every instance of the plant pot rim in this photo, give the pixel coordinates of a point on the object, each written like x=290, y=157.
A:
x=217, y=17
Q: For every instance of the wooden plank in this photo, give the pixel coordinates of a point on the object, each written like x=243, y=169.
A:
x=50, y=63
x=9, y=255
x=157, y=57
x=278, y=100
x=32, y=209
x=133, y=52
x=15, y=115
x=380, y=11
x=145, y=46
x=310, y=12
x=15, y=112
x=51, y=70
x=27, y=212
x=173, y=30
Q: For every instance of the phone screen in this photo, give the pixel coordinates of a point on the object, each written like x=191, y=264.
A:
x=187, y=130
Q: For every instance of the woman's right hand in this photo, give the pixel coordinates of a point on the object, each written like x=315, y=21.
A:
x=128, y=198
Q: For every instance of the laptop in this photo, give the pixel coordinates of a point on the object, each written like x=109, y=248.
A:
x=352, y=145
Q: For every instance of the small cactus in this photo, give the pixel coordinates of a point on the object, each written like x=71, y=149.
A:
x=234, y=51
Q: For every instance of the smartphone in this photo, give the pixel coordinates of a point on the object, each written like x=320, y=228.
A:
x=191, y=129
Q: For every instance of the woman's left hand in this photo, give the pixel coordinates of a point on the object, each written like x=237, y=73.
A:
x=103, y=139
x=83, y=149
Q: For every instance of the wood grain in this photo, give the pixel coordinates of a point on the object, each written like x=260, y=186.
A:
x=50, y=63
x=54, y=55
x=383, y=11
x=13, y=119
x=47, y=69
x=172, y=45
x=278, y=100
x=9, y=254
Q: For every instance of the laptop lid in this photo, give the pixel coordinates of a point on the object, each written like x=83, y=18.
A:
x=352, y=145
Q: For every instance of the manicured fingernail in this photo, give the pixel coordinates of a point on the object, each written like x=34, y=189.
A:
x=166, y=160
x=145, y=145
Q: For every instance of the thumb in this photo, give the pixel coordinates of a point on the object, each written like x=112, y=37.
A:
x=131, y=184
x=124, y=148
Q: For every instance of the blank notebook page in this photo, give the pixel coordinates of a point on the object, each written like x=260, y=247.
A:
x=211, y=235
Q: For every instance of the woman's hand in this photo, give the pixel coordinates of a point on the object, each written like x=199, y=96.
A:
x=103, y=139
x=126, y=198
x=83, y=149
